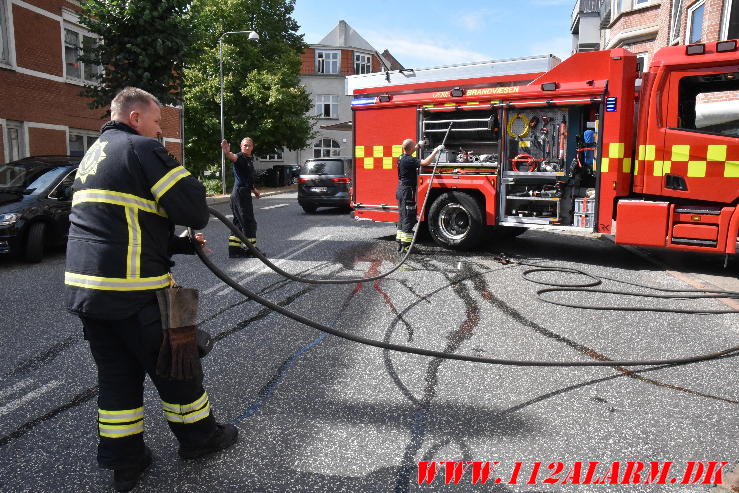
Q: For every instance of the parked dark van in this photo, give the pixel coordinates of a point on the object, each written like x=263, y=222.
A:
x=324, y=182
x=35, y=202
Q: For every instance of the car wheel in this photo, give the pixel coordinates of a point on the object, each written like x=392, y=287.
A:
x=455, y=221
x=309, y=209
x=34, y=251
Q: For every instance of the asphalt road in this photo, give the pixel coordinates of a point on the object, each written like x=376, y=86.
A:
x=318, y=413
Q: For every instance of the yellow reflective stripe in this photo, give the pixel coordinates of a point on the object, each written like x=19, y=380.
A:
x=616, y=150
x=167, y=181
x=731, y=169
x=133, y=256
x=117, y=198
x=120, y=431
x=183, y=408
x=106, y=416
x=188, y=418
x=116, y=283
x=697, y=169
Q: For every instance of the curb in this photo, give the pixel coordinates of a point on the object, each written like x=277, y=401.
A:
x=220, y=199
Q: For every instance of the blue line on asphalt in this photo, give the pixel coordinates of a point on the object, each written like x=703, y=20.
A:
x=269, y=390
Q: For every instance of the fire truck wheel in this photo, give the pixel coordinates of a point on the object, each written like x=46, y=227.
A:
x=455, y=221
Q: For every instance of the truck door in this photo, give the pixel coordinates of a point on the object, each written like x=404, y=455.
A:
x=700, y=158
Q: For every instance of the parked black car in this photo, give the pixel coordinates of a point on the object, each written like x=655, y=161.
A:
x=35, y=202
x=324, y=182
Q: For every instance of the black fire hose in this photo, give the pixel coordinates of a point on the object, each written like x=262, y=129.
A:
x=734, y=351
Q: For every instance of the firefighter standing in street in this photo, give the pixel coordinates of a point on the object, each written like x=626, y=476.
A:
x=408, y=167
x=129, y=194
x=241, y=204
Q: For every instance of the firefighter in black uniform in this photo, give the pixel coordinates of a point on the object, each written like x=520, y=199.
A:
x=241, y=204
x=408, y=167
x=129, y=194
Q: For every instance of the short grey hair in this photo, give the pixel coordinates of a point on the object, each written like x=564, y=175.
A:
x=129, y=98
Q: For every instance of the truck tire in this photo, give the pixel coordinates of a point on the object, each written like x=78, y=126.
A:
x=455, y=221
x=34, y=250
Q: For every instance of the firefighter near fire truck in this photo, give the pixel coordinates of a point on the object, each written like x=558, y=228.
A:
x=129, y=193
x=589, y=144
x=408, y=166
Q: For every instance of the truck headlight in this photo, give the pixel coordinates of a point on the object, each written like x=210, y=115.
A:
x=8, y=219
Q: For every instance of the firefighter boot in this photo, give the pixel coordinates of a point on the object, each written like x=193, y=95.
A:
x=404, y=248
x=126, y=479
x=238, y=252
x=224, y=436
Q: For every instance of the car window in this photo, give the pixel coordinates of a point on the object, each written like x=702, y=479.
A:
x=12, y=176
x=64, y=188
x=327, y=167
x=45, y=180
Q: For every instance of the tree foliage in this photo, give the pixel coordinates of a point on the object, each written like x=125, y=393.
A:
x=263, y=98
x=143, y=45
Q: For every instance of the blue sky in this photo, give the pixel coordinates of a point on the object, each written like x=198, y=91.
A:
x=430, y=33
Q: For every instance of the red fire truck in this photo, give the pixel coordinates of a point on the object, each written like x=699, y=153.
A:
x=590, y=144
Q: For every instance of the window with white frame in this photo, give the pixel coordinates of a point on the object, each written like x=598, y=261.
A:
x=676, y=22
x=730, y=20
x=15, y=141
x=362, y=63
x=4, y=51
x=327, y=62
x=694, y=32
x=277, y=156
x=326, y=148
x=77, y=42
x=327, y=106
x=643, y=60
x=80, y=141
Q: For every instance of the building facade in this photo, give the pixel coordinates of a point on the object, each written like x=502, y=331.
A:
x=41, y=111
x=644, y=26
x=340, y=53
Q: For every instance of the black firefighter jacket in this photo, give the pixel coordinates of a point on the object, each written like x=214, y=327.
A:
x=128, y=195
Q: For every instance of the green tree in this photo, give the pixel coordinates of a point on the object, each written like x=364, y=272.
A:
x=143, y=45
x=263, y=98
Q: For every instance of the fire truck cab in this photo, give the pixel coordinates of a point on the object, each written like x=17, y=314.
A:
x=591, y=144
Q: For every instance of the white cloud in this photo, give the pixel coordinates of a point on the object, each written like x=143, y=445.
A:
x=560, y=46
x=416, y=54
x=553, y=2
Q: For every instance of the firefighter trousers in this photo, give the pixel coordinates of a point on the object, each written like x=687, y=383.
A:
x=124, y=352
x=406, y=196
x=243, y=214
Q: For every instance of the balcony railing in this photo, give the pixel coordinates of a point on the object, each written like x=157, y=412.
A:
x=585, y=7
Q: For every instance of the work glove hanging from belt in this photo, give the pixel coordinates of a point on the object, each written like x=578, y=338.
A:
x=178, y=355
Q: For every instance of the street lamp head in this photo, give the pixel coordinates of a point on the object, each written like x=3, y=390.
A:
x=253, y=36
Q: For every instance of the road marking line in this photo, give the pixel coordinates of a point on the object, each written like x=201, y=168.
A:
x=13, y=405
x=266, y=269
x=15, y=388
x=274, y=206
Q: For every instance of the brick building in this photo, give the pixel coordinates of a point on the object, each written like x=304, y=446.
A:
x=644, y=26
x=41, y=111
x=325, y=66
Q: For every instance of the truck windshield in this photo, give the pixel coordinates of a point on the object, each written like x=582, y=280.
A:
x=710, y=104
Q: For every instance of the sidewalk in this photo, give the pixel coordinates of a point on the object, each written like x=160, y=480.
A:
x=265, y=191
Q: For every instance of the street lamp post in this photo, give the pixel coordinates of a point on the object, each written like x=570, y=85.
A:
x=253, y=36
